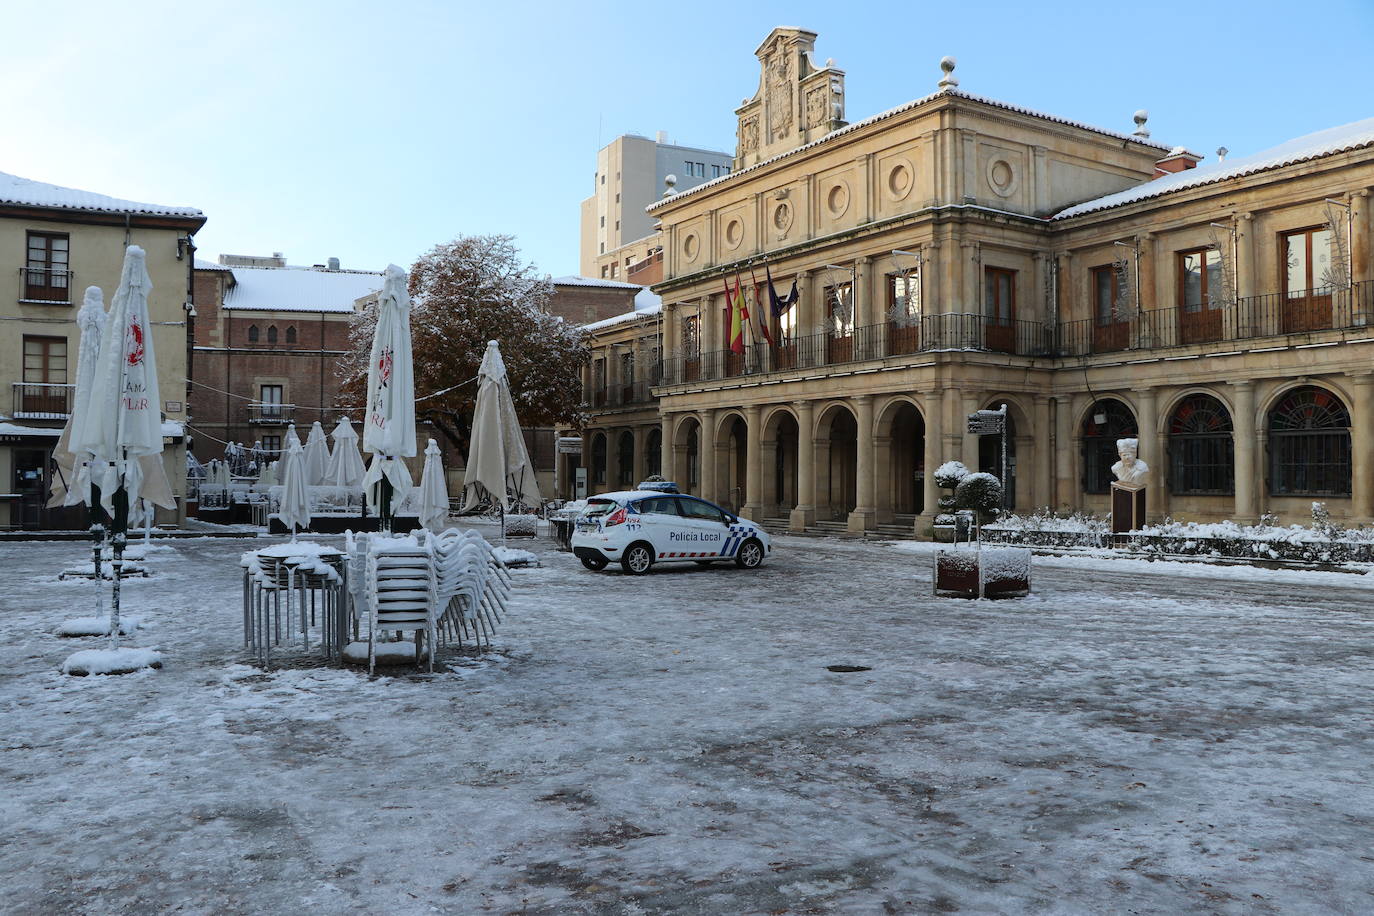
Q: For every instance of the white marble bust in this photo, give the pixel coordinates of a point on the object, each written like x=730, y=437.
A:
x=1130, y=471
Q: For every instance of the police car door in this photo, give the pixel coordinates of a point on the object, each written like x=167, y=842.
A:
x=704, y=528
x=659, y=517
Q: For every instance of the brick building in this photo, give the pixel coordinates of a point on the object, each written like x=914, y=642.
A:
x=267, y=340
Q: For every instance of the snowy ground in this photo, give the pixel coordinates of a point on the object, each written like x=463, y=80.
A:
x=1136, y=737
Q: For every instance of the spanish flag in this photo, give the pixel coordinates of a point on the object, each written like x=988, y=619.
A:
x=738, y=316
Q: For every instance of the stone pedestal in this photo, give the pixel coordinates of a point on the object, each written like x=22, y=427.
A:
x=1128, y=507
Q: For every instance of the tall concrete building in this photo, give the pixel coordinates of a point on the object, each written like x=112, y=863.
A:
x=631, y=172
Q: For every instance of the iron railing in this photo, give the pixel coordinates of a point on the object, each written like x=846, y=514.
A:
x=627, y=394
x=269, y=414
x=1269, y=315
x=42, y=400
x=47, y=285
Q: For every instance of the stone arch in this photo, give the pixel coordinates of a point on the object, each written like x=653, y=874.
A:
x=625, y=459
x=597, y=464
x=1199, y=444
x=732, y=459
x=271, y=333
x=686, y=445
x=779, y=440
x=1308, y=431
x=837, y=461
x=899, y=435
x=1021, y=453
x=1097, y=442
x=291, y=334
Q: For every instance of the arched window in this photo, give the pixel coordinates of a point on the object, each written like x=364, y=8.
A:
x=252, y=333
x=291, y=334
x=272, y=333
x=599, y=459
x=625, y=460
x=693, y=458
x=1309, y=444
x=1201, y=449
x=1099, y=442
x=653, y=452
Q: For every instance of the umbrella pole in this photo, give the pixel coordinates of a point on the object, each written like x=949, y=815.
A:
x=384, y=505
x=98, y=536
x=121, y=525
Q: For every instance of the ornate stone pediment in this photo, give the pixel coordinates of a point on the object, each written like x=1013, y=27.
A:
x=796, y=101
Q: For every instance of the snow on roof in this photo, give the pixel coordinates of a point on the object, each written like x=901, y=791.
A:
x=28, y=193
x=647, y=305
x=210, y=265
x=892, y=112
x=1300, y=149
x=299, y=289
x=591, y=281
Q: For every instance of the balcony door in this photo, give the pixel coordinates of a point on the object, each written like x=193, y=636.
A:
x=270, y=398
x=46, y=270
x=999, y=309
x=1307, y=279
x=1111, y=329
x=44, y=390
x=1199, y=292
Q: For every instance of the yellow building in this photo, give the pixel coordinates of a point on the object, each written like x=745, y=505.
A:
x=958, y=253
x=55, y=242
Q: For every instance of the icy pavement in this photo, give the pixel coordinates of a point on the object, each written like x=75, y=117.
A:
x=1134, y=737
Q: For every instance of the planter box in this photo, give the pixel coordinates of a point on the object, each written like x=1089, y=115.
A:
x=995, y=572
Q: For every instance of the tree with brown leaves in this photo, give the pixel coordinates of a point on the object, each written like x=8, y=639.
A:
x=465, y=293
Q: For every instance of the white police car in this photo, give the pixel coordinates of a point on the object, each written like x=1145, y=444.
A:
x=642, y=527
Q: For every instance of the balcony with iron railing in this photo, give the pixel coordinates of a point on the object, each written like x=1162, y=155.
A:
x=45, y=286
x=1211, y=326
x=259, y=414
x=634, y=393
x=42, y=401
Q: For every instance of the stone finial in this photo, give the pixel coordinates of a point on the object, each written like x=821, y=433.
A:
x=669, y=185
x=1141, y=130
x=947, y=64
x=1221, y=153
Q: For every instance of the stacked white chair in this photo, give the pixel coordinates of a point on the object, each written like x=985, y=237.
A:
x=400, y=595
x=471, y=586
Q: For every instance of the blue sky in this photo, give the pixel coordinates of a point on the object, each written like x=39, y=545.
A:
x=372, y=131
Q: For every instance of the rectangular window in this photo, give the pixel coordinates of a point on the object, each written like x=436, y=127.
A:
x=603, y=222
x=839, y=303
x=1199, y=279
x=45, y=360
x=614, y=268
x=904, y=312
x=617, y=225
x=1307, y=256
x=691, y=336
x=47, y=274
x=271, y=444
x=604, y=270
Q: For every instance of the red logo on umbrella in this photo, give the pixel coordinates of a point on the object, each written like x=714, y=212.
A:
x=384, y=367
x=135, y=344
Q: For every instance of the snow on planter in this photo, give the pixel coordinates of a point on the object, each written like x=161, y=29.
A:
x=522, y=526
x=989, y=572
x=111, y=661
x=98, y=626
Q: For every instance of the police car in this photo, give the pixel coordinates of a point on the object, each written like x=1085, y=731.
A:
x=639, y=528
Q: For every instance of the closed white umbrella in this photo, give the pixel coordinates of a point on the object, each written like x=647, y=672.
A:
x=294, y=511
x=389, y=425
x=346, y=467
x=124, y=423
x=268, y=478
x=291, y=438
x=498, y=463
x=433, y=490
x=72, y=485
x=316, y=455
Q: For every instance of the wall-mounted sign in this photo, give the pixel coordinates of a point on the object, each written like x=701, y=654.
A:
x=172, y=407
x=570, y=445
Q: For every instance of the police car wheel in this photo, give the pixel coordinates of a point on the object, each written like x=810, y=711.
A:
x=637, y=559
x=594, y=563
x=750, y=554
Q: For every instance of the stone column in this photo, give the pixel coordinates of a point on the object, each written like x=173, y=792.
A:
x=671, y=354
x=667, y=461
x=863, y=308
x=934, y=457
x=805, y=512
x=753, y=462
x=1250, y=319
x=882, y=480
x=706, y=454
x=1152, y=452
x=1042, y=491
x=641, y=459
x=1361, y=258
x=968, y=446
x=953, y=426
x=865, y=512
x=1362, y=448
x=970, y=260
x=1244, y=450
x=1065, y=492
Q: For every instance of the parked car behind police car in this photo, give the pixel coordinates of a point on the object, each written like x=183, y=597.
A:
x=639, y=528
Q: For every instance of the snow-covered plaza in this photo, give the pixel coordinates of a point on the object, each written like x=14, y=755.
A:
x=1133, y=737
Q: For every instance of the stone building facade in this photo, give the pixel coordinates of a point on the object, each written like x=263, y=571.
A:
x=54, y=243
x=268, y=340
x=958, y=253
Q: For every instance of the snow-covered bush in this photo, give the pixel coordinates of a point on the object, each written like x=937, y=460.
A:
x=980, y=492
x=948, y=475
